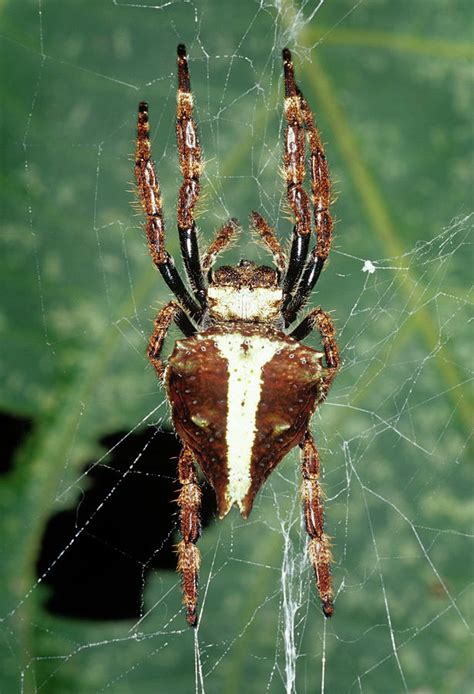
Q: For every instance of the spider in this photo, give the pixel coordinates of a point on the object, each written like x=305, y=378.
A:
x=241, y=386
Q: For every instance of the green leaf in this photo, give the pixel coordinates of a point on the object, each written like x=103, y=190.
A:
x=391, y=88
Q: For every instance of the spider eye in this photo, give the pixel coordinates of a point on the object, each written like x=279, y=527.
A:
x=246, y=263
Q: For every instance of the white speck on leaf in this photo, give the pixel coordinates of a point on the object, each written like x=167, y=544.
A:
x=369, y=267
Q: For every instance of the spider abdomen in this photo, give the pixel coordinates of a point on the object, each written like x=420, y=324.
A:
x=241, y=398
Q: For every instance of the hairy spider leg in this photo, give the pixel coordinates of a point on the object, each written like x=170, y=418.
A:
x=150, y=197
x=189, y=151
x=268, y=236
x=322, y=322
x=321, y=200
x=221, y=240
x=189, y=502
x=321, y=194
x=189, y=498
x=169, y=313
x=319, y=547
x=295, y=169
x=320, y=184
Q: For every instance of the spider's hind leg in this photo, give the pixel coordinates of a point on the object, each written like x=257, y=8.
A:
x=322, y=322
x=189, y=502
x=319, y=548
x=169, y=313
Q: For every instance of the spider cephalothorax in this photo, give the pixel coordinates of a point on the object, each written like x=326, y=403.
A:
x=246, y=292
x=242, y=389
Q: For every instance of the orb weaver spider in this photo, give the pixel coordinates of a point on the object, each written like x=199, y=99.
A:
x=241, y=386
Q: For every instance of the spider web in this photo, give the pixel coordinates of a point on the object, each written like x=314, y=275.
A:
x=392, y=101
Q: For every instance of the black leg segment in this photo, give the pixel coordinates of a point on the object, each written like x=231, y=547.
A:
x=308, y=280
x=175, y=283
x=192, y=262
x=296, y=263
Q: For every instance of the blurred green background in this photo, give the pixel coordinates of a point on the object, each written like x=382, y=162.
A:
x=391, y=86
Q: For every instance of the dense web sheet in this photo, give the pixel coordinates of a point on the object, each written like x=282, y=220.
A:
x=395, y=434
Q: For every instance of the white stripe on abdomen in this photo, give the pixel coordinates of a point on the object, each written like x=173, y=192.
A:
x=246, y=356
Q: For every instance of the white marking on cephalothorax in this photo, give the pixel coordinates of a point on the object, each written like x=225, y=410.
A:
x=229, y=303
x=246, y=357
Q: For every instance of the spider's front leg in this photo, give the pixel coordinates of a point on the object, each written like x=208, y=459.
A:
x=189, y=151
x=150, y=197
x=189, y=502
x=302, y=274
x=294, y=166
x=319, y=548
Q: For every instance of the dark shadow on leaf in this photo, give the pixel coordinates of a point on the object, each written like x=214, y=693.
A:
x=102, y=575
x=14, y=430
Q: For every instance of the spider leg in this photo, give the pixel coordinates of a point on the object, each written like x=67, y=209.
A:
x=321, y=199
x=294, y=165
x=319, y=547
x=267, y=234
x=169, y=313
x=320, y=184
x=221, y=240
x=323, y=220
x=190, y=164
x=319, y=319
x=149, y=191
x=189, y=502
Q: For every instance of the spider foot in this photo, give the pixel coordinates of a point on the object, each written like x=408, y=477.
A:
x=188, y=566
x=328, y=608
x=319, y=549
